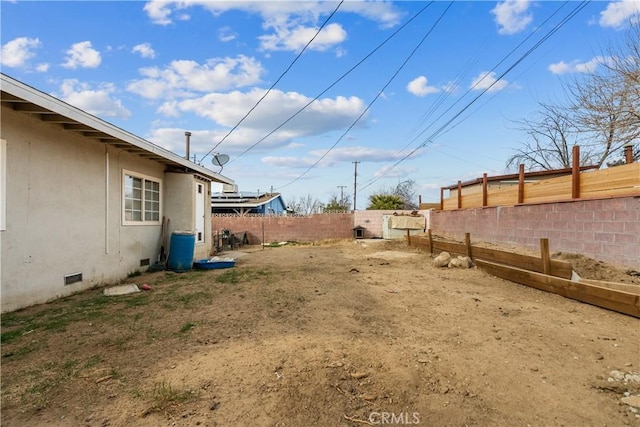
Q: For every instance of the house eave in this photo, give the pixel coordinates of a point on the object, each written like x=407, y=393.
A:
x=28, y=100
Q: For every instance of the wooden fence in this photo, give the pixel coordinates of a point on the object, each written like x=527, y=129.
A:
x=542, y=273
x=618, y=181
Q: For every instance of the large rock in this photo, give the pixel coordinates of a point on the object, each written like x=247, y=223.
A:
x=461, y=262
x=442, y=260
x=467, y=262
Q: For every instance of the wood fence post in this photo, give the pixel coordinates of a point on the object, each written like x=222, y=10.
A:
x=484, y=189
x=575, y=173
x=628, y=154
x=408, y=237
x=521, y=184
x=430, y=243
x=467, y=243
x=544, y=255
x=459, y=194
x=441, y=198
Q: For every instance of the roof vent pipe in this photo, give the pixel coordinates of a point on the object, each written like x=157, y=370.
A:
x=188, y=135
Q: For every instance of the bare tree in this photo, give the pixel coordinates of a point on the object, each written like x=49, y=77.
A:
x=605, y=113
x=602, y=115
x=551, y=136
x=407, y=192
x=306, y=205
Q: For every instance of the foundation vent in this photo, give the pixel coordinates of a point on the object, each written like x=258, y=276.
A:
x=72, y=278
x=144, y=262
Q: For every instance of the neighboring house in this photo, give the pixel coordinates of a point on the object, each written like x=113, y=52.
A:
x=230, y=201
x=82, y=201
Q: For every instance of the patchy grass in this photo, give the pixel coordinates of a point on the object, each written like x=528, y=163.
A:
x=187, y=327
x=195, y=299
x=165, y=396
x=137, y=300
x=229, y=276
x=234, y=276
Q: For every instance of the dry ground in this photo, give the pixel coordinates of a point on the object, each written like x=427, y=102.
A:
x=336, y=334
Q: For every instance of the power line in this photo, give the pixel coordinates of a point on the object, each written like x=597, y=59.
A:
x=385, y=41
x=375, y=98
x=566, y=19
x=277, y=81
x=440, y=101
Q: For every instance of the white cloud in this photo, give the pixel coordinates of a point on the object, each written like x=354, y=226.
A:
x=338, y=155
x=181, y=77
x=563, y=67
x=511, y=16
x=98, y=102
x=619, y=13
x=226, y=109
x=419, y=87
x=320, y=116
x=17, y=52
x=226, y=34
x=294, y=39
x=82, y=55
x=487, y=80
x=161, y=11
x=145, y=50
x=202, y=141
x=290, y=21
x=42, y=68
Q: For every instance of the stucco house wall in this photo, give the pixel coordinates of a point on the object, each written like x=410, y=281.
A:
x=62, y=204
x=181, y=190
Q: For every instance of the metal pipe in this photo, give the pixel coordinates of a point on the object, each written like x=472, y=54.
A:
x=188, y=135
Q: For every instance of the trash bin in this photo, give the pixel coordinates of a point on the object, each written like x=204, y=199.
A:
x=181, y=250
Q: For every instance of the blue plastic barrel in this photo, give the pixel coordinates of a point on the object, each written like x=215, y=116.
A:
x=181, y=250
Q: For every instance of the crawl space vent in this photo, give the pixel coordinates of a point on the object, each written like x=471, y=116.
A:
x=72, y=278
x=144, y=262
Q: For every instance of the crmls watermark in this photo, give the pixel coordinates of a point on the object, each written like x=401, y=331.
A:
x=403, y=418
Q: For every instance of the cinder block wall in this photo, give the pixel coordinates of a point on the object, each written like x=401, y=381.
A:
x=607, y=230
x=305, y=228
x=288, y=228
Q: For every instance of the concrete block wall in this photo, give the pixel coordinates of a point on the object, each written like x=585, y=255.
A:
x=288, y=228
x=305, y=228
x=607, y=230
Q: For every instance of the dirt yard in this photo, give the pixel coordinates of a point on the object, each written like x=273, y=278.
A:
x=335, y=334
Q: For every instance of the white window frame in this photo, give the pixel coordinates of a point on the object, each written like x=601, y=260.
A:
x=200, y=207
x=143, y=177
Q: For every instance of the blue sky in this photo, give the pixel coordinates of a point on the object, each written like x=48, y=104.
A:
x=160, y=68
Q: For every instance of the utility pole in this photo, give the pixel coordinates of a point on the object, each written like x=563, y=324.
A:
x=342, y=187
x=355, y=183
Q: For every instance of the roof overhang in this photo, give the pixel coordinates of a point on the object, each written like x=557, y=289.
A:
x=26, y=99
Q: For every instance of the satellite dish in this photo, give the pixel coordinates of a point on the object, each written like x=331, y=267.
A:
x=220, y=159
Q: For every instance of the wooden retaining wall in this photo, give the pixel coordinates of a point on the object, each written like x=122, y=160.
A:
x=541, y=273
